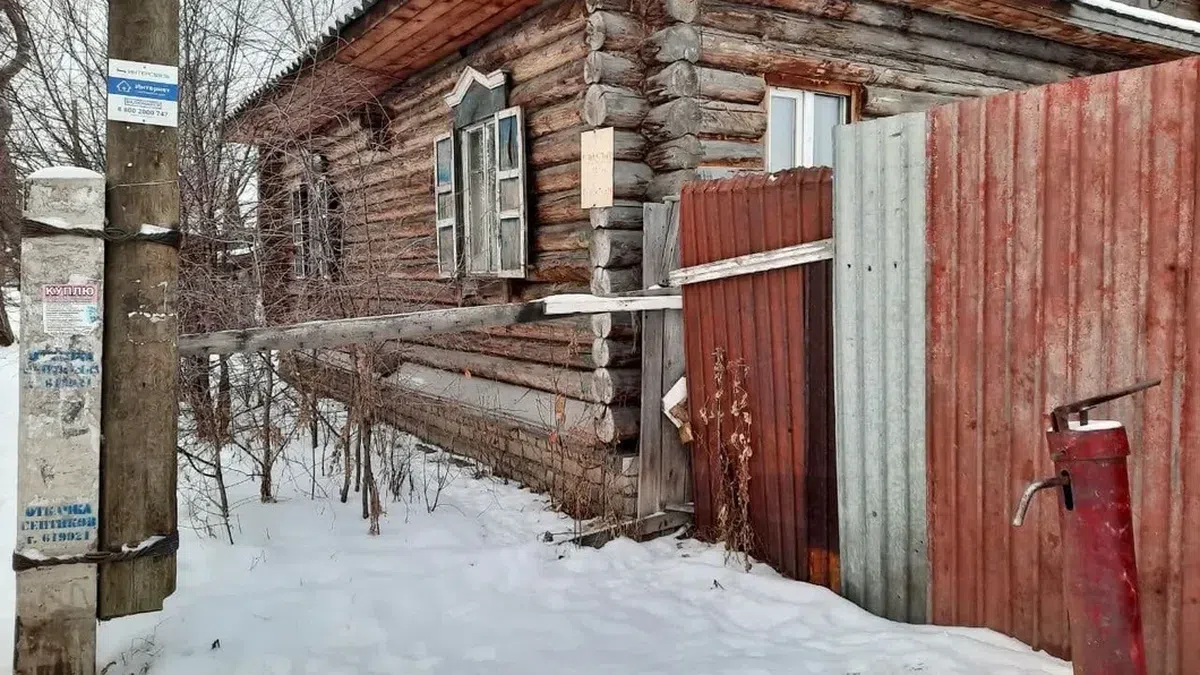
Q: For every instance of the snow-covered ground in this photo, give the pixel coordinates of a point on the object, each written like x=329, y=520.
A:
x=471, y=588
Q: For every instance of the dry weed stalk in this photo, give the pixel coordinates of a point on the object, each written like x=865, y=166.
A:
x=731, y=423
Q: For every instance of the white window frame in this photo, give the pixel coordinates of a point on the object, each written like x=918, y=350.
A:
x=298, y=211
x=520, y=213
x=805, y=121
x=450, y=222
x=467, y=215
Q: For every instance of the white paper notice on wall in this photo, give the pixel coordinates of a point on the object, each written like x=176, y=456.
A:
x=143, y=93
x=70, y=309
x=596, y=168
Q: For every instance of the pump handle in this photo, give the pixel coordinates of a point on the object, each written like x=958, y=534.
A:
x=1058, y=416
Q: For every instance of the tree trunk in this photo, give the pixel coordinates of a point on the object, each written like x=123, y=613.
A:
x=6, y=332
x=265, y=487
x=368, y=479
x=344, y=443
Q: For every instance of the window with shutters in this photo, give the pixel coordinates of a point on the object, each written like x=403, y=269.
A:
x=479, y=183
x=316, y=223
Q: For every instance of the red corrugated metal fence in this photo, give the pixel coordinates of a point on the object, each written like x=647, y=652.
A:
x=775, y=330
x=1061, y=246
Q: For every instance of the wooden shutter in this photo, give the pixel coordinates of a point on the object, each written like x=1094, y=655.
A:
x=445, y=208
x=512, y=219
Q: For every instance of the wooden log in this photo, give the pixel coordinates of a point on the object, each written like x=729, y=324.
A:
x=557, y=354
x=616, y=248
x=563, y=146
x=609, y=280
x=563, y=237
x=891, y=15
x=616, y=385
x=630, y=180
x=561, y=84
x=556, y=178
x=683, y=11
x=863, y=41
x=597, y=386
x=609, y=5
x=617, y=424
x=558, y=207
x=554, y=118
x=616, y=325
x=608, y=353
x=327, y=334
x=556, y=148
x=619, y=216
x=670, y=184
x=614, y=32
x=682, y=79
x=628, y=145
x=540, y=61
x=559, y=267
x=728, y=50
x=608, y=106
x=570, y=330
x=614, y=69
x=678, y=42
x=688, y=152
x=684, y=116
x=883, y=102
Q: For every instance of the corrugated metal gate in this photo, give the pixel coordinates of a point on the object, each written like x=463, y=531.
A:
x=774, y=329
x=1060, y=234
x=1060, y=242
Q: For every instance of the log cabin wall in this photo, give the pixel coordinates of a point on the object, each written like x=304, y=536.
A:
x=711, y=63
x=383, y=176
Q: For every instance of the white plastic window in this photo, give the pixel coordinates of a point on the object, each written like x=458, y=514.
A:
x=800, y=127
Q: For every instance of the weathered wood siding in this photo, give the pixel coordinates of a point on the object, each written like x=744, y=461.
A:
x=385, y=183
x=1186, y=9
x=712, y=62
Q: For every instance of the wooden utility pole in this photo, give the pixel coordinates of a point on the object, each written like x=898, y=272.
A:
x=140, y=412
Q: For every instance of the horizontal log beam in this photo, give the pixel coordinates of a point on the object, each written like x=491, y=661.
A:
x=367, y=329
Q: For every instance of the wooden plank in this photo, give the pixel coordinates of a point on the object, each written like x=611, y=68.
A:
x=675, y=481
x=642, y=529
x=582, y=303
x=655, y=223
x=752, y=263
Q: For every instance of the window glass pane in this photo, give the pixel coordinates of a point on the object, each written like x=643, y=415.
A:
x=508, y=143
x=445, y=162
x=480, y=199
x=445, y=205
x=781, y=134
x=827, y=114
x=510, y=248
x=510, y=194
x=445, y=237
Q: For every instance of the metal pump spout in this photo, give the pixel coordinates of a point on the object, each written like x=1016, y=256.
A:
x=1027, y=496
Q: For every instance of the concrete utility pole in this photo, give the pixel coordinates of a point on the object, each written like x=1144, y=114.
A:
x=137, y=493
x=58, y=463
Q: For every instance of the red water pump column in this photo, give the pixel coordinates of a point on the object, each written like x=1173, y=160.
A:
x=1096, y=519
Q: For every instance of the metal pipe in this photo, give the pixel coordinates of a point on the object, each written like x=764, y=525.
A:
x=1027, y=496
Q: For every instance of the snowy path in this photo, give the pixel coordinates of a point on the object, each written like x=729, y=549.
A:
x=470, y=589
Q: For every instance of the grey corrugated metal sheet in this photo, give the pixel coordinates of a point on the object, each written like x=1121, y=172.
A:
x=879, y=364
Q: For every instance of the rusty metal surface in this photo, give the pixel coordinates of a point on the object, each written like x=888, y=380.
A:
x=775, y=329
x=879, y=375
x=1060, y=244
x=1096, y=518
